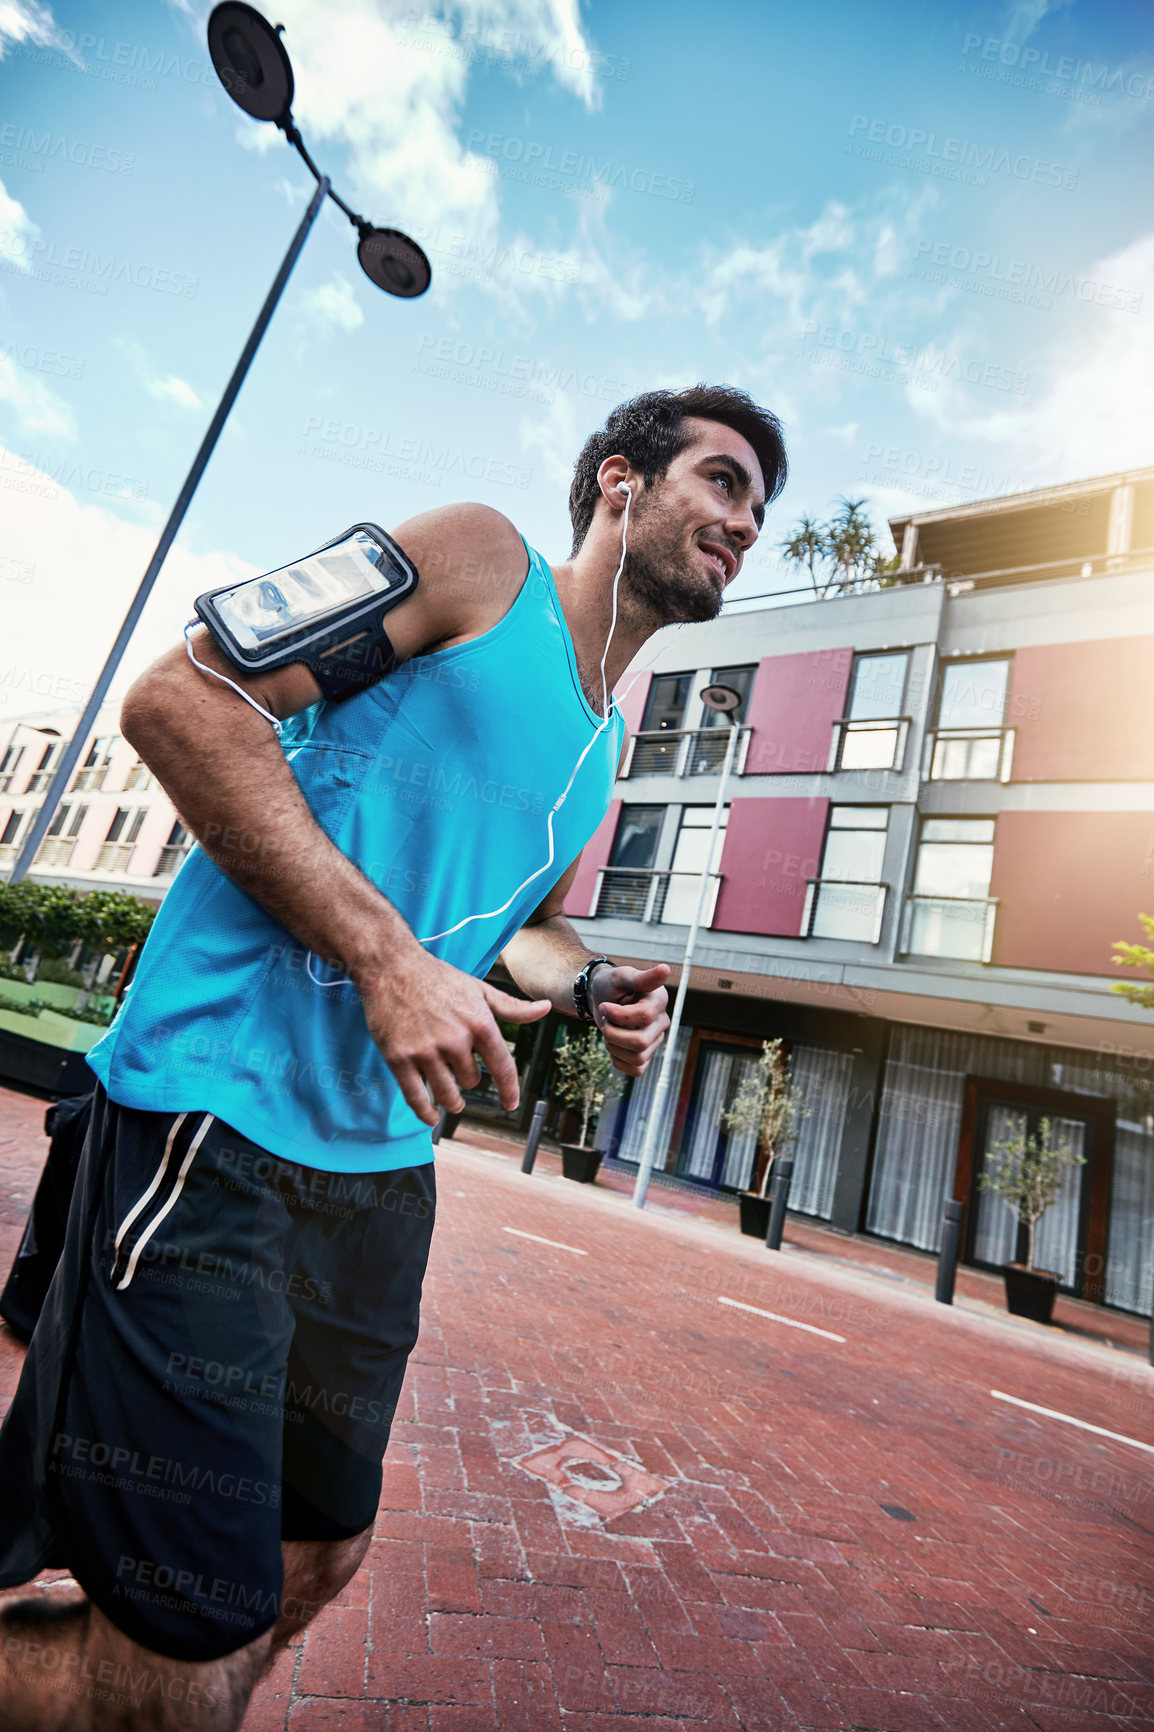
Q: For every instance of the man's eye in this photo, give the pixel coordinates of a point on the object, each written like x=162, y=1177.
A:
x=726, y=480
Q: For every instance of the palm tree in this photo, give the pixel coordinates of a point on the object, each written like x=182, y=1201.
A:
x=807, y=546
x=851, y=542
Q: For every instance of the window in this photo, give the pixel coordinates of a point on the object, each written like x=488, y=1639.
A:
x=872, y=734
x=741, y=680
x=848, y=900
x=664, y=714
x=174, y=850
x=627, y=885
x=668, y=697
x=690, y=858
x=117, y=825
x=43, y=771
x=635, y=844
x=970, y=744
x=96, y=762
x=11, y=828
x=57, y=821
x=707, y=755
x=9, y=764
x=950, y=911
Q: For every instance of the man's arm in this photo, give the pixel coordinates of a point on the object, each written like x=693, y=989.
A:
x=628, y=1004
x=223, y=768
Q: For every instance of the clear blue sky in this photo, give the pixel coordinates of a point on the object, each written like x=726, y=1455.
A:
x=921, y=233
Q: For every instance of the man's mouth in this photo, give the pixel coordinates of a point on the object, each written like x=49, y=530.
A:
x=722, y=560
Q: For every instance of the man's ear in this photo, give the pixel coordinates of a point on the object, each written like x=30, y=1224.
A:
x=615, y=474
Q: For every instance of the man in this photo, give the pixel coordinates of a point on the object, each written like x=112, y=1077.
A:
x=199, y=1428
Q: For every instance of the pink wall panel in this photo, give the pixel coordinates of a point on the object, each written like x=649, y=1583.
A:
x=633, y=707
x=771, y=848
x=795, y=701
x=1070, y=884
x=1081, y=711
x=594, y=855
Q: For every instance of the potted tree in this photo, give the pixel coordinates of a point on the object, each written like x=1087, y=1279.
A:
x=583, y=1072
x=1027, y=1172
x=769, y=1105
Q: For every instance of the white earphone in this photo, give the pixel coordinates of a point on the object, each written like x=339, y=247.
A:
x=490, y=914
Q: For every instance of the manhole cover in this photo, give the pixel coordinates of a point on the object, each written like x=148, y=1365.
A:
x=899, y=1512
x=606, y=1483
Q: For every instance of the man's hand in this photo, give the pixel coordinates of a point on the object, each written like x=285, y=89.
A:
x=628, y=1005
x=428, y=1018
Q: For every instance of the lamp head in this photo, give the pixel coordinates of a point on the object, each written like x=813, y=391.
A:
x=394, y=262
x=722, y=698
x=251, y=61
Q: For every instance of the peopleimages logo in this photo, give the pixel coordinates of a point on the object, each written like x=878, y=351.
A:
x=954, y=157
x=1104, y=79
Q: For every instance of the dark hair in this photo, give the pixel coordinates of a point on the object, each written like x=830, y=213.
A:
x=650, y=431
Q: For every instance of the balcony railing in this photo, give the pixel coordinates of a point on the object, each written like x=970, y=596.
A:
x=872, y=745
x=8, y=852
x=629, y=893
x=140, y=776
x=90, y=776
x=7, y=777
x=682, y=752
x=171, y=858
x=843, y=908
x=960, y=927
x=969, y=755
x=114, y=857
x=40, y=779
x=55, y=851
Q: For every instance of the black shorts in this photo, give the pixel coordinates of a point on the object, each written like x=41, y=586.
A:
x=216, y=1369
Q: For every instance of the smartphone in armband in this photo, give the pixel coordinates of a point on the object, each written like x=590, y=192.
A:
x=326, y=610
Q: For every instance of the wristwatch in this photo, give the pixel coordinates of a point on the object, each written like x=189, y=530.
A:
x=581, y=987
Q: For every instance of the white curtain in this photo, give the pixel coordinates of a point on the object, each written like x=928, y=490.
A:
x=714, y=1093
x=741, y=1150
x=1056, y=1240
x=920, y=1119
x=1130, y=1259
x=823, y=1080
x=640, y=1101
x=996, y=1229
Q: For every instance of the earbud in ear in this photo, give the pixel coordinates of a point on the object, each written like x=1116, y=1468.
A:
x=624, y=487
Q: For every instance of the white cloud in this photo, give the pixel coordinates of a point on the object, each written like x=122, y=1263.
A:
x=85, y=563
x=387, y=81
x=38, y=409
x=25, y=21
x=17, y=230
x=334, y=305
x=175, y=390
x=1093, y=410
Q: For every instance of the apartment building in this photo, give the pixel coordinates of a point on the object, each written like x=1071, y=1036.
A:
x=941, y=820
x=115, y=828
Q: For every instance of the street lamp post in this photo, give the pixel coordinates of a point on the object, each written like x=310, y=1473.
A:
x=252, y=63
x=725, y=701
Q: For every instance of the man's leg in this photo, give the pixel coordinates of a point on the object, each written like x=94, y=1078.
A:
x=65, y=1668
x=315, y=1571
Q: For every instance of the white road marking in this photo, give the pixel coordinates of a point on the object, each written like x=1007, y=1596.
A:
x=537, y=1239
x=790, y=1322
x=1068, y=1419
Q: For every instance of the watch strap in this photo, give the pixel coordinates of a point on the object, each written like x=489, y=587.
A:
x=581, y=987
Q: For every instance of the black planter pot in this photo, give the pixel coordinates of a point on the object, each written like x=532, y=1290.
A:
x=754, y=1214
x=1030, y=1292
x=580, y=1164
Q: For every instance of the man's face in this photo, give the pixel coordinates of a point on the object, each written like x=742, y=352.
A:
x=689, y=532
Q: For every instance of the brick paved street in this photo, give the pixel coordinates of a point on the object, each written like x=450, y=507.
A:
x=847, y=1530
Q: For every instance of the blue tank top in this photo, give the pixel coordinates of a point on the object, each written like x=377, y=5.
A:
x=437, y=783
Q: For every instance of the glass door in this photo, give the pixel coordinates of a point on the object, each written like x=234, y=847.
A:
x=997, y=1236
x=709, y=1153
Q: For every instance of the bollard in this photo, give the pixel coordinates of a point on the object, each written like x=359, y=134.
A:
x=535, y=1126
x=948, y=1256
x=442, y=1115
x=779, y=1197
